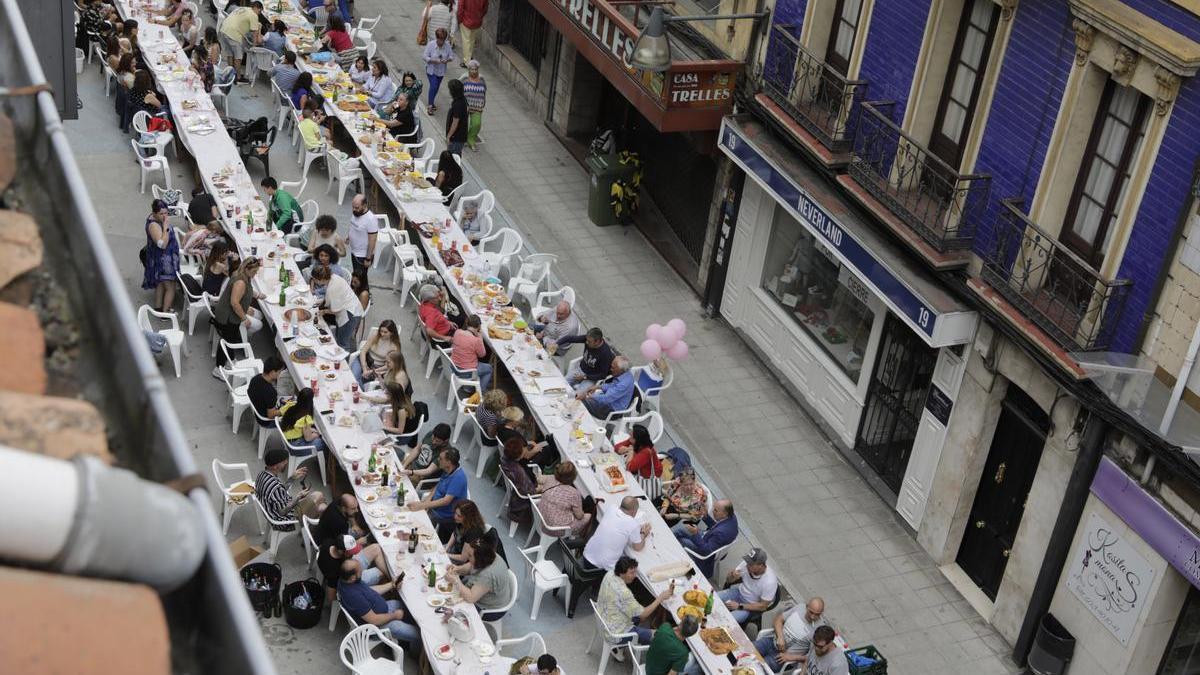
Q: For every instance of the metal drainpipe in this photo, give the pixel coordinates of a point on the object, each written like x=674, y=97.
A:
x=1059, y=548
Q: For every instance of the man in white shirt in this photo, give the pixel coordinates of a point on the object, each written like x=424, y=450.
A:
x=756, y=585
x=793, y=634
x=364, y=228
x=617, y=529
x=557, y=324
x=341, y=302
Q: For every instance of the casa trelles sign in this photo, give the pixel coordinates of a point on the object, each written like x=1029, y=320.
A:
x=690, y=96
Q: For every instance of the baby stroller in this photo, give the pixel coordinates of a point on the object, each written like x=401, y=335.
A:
x=254, y=139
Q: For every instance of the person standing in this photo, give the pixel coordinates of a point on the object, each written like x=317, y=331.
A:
x=475, y=89
x=364, y=229
x=470, y=20
x=238, y=29
x=340, y=303
x=233, y=310
x=161, y=257
x=437, y=54
x=284, y=209
x=456, y=119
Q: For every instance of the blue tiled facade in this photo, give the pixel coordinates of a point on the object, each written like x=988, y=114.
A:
x=1029, y=90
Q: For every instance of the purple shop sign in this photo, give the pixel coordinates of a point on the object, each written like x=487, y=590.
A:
x=1158, y=527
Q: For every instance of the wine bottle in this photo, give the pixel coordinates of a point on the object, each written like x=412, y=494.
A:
x=371, y=462
x=432, y=575
x=412, y=541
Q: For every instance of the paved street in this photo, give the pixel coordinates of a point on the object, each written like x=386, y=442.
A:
x=826, y=530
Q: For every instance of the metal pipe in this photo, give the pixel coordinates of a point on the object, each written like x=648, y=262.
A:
x=1087, y=461
x=94, y=520
x=1185, y=373
x=641, y=2
x=715, y=17
x=1148, y=470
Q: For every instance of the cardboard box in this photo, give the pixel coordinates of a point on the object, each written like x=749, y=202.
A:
x=243, y=551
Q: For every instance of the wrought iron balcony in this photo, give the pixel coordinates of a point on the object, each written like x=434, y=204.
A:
x=933, y=199
x=818, y=97
x=1056, y=289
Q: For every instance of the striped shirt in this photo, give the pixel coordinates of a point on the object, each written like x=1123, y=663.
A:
x=274, y=496
x=476, y=93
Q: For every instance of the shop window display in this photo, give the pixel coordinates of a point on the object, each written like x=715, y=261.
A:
x=826, y=299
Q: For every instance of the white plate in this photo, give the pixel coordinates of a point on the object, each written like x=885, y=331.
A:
x=445, y=652
x=482, y=648
x=352, y=455
x=437, y=600
x=306, y=342
x=377, y=512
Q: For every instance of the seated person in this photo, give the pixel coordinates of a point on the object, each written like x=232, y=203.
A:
x=639, y=453
x=371, y=361
x=379, y=86
x=421, y=462
x=400, y=118
x=483, y=579
x=488, y=415
x=203, y=208
x=684, y=500
x=473, y=223
x=561, y=504
x=595, y=363
x=468, y=526
x=276, y=497
x=622, y=613
x=284, y=208
x=721, y=528
x=451, y=487
x=449, y=175
x=618, y=530
x=669, y=653
x=311, y=130
x=612, y=394
x=360, y=71
x=555, y=325
x=366, y=604
x=341, y=519
x=298, y=426
x=326, y=256
x=751, y=587
x=794, y=630
x=199, y=240
x=402, y=416
x=437, y=326
x=262, y=393
x=324, y=232
x=466, y=350
x=334, y=551
x=285, y=72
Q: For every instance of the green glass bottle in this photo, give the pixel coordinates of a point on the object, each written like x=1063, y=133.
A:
x=432, y=575
x=708, y=604
x=371, y=462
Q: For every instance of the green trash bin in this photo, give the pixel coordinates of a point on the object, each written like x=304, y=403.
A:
x=605, y=170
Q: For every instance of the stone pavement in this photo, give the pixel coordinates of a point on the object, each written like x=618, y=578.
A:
x=832, y=536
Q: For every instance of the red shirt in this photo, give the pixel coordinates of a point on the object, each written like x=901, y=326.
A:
x=644, y=462
x=339, y=40
x=471, y=13
x=434, y=320
x=466, y=348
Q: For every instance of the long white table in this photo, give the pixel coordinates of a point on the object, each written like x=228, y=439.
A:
x=225, y=177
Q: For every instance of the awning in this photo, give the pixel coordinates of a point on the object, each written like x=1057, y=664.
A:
x=908, y=290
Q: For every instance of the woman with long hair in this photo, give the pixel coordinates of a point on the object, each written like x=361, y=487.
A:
x=373, y=352
x=161, y=257
x=469, y=525
x=216, y=268
x=456, y=118
x=233, y=310
x=361, y=287
x=125, y=71
x=302, y=90
x=401, y=417
x=449, y=175
x=640, y=455
x=298, y=425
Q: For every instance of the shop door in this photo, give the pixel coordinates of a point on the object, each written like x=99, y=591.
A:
x=1000, y=502
x=895, y=398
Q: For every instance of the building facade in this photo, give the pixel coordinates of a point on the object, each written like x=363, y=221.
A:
x=958, y=230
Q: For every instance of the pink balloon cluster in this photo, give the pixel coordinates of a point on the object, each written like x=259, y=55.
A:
x=667, y=340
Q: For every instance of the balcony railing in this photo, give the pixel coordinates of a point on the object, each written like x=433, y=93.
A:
x=818, y=97
x=936, y=202
x=1062, y=294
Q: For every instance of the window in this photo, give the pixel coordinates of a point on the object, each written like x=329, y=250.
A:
x=524, y=28
x=827, y=299
x=964, y=77
x=845, y=27
x=1183, y=651
x=1104, y=172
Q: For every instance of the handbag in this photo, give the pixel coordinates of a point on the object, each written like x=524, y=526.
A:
x=423, y=32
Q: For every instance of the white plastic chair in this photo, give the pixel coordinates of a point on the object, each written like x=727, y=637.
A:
x=237, y=384
x=546, y=535
x=537, y=645
x=382, y=241
x=356, y=652
x=637, y=656
x=650, y=397
x=510, y=243
x=531, y=276
x=240, y=356
x=283, y=107
x=652, y=420
x=109, y=75
x=307, y=157
x=264, y=427
x=549, y=300
x=789, y=667
x=276, y=535
x=180, y=208
x=497, y=625
x=310, y=543
x=510, y=493
x=175, y=337
x=364, y=30
x=545, y=576
x=232, y=501
x=407, y=275
x=260, y=60
x=485, y=201
x=453, y=398
x=345, y=173
x=485, y=450
x=194, y=305
x=610, y=639
x=715, y=556
x=421, y=153
x=150, y=163
x=309, y=451
x=163, y=140
x=221, y=91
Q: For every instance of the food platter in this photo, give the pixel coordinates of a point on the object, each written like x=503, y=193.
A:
x=689, y=610
x=718, y=640
x=304, y=355
x=695, y=598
